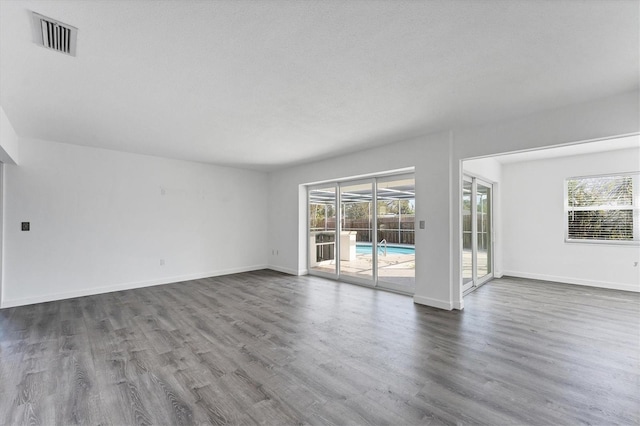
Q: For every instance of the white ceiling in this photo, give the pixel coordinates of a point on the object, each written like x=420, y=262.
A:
x=266, y=84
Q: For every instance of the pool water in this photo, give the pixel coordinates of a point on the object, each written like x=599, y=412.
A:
x=366, y=249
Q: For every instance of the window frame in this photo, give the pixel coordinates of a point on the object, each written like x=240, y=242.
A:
x=635, y=209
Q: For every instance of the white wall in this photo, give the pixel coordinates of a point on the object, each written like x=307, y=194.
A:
x=429, y=155
x=101, y=214
x=533, y=224
x=490, y=170
x=8, y=140
x=8, y=155
x=437, y=160
x=100, y=221
x=604, y=118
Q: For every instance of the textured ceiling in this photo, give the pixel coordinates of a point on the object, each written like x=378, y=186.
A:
x=265, y=84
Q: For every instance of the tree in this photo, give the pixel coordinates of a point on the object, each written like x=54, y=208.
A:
x=600, y=208
x=319, y=214
x=395, y=207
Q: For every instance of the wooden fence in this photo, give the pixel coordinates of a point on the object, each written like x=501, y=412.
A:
x=389, y=228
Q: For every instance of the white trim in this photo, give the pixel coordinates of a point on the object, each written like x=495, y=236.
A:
x=434, y=303
x=459, y=305
x=404, y=170
x=288, y=270
x=576, y=281
x=10, y=303
x=558, y=145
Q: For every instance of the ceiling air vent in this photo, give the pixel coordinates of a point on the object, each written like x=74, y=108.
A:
x=54, y=35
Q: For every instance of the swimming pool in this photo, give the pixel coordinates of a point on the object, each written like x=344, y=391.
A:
x=363, y=248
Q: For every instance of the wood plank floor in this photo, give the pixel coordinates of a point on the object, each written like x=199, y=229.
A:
x=268, y=348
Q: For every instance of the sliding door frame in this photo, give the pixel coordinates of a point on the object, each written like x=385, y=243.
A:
x=381, y=283
x=336, y=231
x=361, y=280
x=373, y=282
x=475, y=280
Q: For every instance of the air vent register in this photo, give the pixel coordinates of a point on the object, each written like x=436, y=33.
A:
x=54, y=34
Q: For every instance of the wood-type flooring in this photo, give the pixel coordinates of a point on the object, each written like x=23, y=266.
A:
x=268, y=348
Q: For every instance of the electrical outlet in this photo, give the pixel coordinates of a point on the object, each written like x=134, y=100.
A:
x=161, y=262
x=422, y=224
x=26, y=226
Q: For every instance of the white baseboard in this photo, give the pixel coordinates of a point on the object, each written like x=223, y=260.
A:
x=435, y=303
x=10, y=303
x=576, y=281
x=459, y=305
x=287, y=270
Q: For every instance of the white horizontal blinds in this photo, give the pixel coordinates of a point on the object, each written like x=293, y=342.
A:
x=601, y=208
x=604, y=192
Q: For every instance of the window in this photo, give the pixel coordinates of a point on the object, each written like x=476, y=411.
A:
x=603, y=208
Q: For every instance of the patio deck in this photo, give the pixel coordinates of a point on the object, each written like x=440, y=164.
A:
x=394, y=268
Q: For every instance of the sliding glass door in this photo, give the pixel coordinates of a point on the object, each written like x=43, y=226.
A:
x=467, y=231
x=356, y=231
x=477, y=233
x=483, y=231
x=322, y=229
x=363, y=231
x=396, y=254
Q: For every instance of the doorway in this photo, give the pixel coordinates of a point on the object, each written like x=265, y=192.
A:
x=477, y=232
x=363, y=231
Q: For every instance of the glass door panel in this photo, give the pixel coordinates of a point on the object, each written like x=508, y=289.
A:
x=477, y=247
x=396, y=254
x=322, y=229
x=483, y=229
x=356, y=231
x=467, y=233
